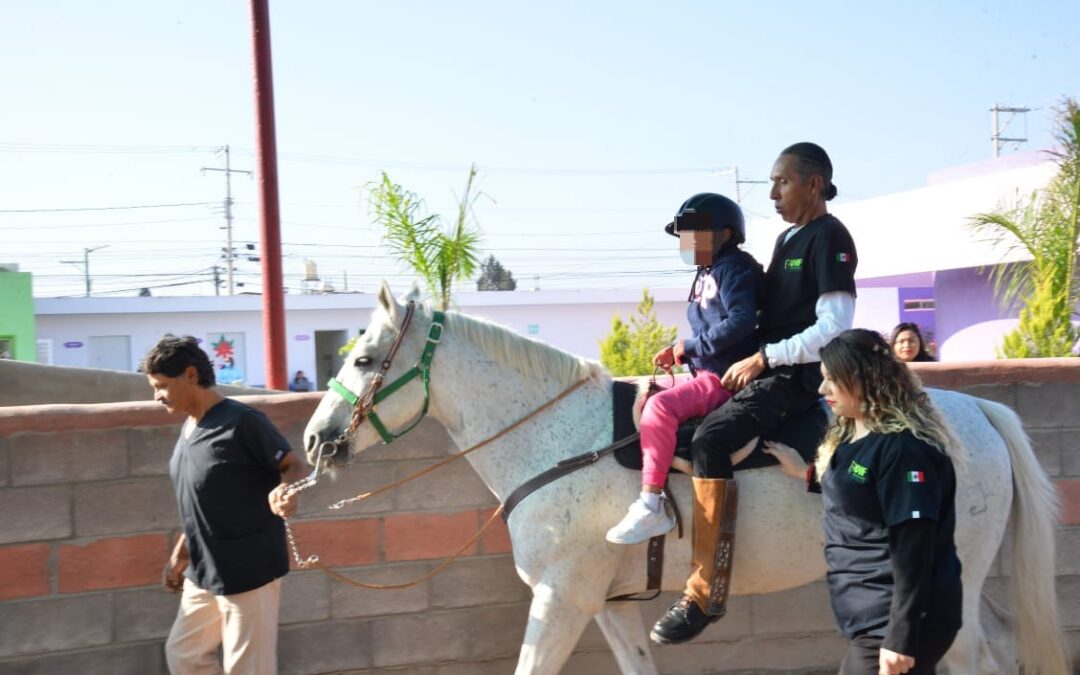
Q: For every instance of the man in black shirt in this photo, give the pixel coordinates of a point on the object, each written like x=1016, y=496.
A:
x=809, y=299
x=230, y=467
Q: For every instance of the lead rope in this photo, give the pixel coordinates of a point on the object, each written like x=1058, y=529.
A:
x=312, y=479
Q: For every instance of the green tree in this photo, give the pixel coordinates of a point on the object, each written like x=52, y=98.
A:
x=495, y=277
x=630, y=347
x=438, y=256
x=1045, y=228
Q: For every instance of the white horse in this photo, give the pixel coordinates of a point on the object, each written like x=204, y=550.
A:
x=483, y=378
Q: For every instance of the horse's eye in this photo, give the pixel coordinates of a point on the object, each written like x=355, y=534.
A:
x=362, y=361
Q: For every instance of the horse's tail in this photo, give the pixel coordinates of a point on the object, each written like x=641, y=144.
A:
x=1035, y=507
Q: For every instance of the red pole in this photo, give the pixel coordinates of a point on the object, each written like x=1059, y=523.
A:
x=273, y=292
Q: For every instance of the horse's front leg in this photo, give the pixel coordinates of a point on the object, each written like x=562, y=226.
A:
x=625, y=632
x=555, y=624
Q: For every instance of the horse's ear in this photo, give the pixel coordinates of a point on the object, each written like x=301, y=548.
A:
x=387, y=301
x=413, y=295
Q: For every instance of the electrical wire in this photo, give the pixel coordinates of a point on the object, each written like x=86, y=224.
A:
x=109, y=208
x=105, y=149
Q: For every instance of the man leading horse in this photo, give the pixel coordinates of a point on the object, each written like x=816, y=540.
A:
x=809, y=299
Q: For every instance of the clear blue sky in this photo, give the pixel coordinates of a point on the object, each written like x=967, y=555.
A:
x=590, y=122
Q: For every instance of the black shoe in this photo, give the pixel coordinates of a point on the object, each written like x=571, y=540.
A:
x=683, y=622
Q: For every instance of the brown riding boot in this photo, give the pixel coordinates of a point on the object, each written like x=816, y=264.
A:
x=716, y=501
x=705, y=598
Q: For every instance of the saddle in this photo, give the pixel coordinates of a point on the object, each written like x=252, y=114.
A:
x=803, y=432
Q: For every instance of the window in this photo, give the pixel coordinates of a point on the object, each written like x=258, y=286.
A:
x=919, y=305
x=45, y=351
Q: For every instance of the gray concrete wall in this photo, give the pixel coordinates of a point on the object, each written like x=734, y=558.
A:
x=37, y=384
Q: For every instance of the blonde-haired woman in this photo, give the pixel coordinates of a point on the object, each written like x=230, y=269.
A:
x=888, y=489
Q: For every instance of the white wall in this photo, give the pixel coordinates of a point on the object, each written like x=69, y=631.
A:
x=877, y=309
x=574, y=321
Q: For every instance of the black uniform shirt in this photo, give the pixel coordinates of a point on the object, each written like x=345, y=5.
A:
x=222, y=474
x=874, y=485
x=820, y=258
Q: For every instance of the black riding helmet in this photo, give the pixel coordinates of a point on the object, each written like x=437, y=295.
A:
x=709, y=211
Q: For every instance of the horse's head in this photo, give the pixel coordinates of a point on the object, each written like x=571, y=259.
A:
x=366, y=401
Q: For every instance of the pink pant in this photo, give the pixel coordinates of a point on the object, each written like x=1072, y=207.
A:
x=665, y=411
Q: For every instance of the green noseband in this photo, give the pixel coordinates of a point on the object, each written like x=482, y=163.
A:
x=422, y=369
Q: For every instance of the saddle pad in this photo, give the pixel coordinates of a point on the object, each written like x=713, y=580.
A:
x=802, y=432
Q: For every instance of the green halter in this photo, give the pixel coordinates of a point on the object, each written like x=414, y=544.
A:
x=422, y=369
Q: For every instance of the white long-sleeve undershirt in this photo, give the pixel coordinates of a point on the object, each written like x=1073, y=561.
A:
x=835, y=313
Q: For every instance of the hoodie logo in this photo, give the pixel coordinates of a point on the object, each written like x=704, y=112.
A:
x=793, y=264
x=705, y=290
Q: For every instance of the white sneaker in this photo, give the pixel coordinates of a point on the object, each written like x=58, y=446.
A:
x=641, y=524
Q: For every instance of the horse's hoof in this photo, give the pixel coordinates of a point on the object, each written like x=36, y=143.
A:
x=682, y=623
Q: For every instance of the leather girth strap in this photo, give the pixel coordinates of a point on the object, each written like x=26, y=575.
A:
x=654, y=572
x=563, y=468
x=654, y=565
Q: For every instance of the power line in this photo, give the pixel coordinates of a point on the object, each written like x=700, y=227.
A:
x=371, y=162
x=506, y=170
x=131, y=290
x=101, y=277
x=107, y=208
x=137, y=223
x=103, y=149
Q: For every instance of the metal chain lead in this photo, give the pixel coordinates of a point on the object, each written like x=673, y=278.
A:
x=293, y=488
x=300, y=563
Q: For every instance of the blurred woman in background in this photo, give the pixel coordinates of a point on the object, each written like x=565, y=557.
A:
x=908, y=344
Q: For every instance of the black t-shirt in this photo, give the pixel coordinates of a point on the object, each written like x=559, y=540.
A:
x=820, y=258
x=874, y=484
x=222, y=473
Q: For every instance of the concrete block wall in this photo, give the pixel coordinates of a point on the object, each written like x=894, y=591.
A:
x=88, y=517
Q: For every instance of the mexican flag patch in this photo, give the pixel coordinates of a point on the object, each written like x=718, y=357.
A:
x=843, y=257
x=916, y=477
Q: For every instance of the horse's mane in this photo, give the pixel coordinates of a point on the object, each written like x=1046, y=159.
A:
x=530, y=357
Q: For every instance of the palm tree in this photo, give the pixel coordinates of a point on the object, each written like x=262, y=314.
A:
x=1046, y=229
x=438, y=257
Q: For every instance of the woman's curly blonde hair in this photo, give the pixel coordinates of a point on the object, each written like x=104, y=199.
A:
x=861, y=362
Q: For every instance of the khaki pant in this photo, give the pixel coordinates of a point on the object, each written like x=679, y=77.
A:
x=245, y=625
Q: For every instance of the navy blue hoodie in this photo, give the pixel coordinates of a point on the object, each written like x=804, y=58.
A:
x=723, y=310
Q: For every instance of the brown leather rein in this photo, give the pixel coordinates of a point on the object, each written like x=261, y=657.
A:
x=363, y=408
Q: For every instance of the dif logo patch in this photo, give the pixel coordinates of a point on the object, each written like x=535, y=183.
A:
x=858, y=472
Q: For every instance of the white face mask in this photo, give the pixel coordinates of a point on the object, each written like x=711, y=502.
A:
x=698, y=247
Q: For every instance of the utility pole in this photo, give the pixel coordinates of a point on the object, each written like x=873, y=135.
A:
x=738, y=192
x=85, y=264
x=217, y=280
x=229, y=253
x=738, y=182
x=270, y=210
x=997, y=139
